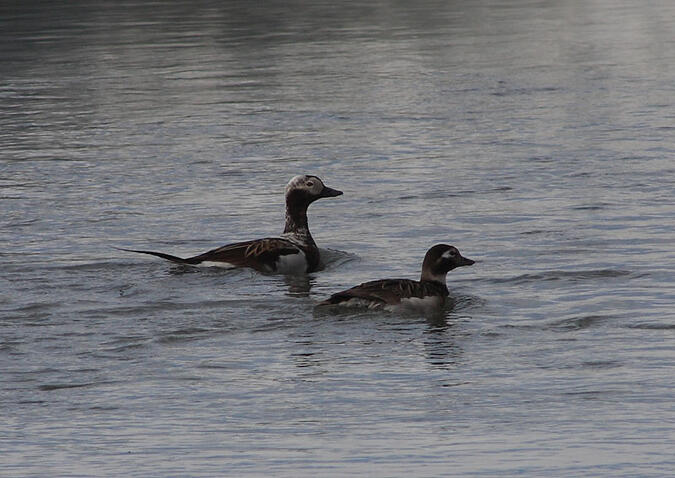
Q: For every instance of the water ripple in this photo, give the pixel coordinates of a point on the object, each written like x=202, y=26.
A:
x=652, y=326
x=61, y=386
x=183, y=335
x=508, y=128
x=559, y=275
x=579, y=323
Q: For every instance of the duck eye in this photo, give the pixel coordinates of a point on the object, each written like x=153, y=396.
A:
x=310, y=184
x=449, y=254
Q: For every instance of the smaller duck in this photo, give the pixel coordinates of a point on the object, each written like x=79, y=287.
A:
x=293, y=252
x=429, y=293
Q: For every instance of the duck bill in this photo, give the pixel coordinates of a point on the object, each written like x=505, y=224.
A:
x=465, y=261
x=330, y=192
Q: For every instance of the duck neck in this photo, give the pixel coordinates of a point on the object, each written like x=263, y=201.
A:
x=296, y=220
x=428, y=275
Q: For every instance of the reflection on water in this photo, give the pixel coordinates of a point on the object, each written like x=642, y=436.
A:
x=535, y=136
x=443, y=349
x=298, y=286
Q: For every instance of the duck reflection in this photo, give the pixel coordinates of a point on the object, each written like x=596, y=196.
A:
x=298, y=285
x=442, y=350
x=441, y=340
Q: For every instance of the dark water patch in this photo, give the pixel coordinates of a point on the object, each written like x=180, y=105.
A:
x=558, y=275
x=32, y=402
x=540, y=231
x=579, y=323
x=39, y=320
x=147, y=309
x=82, y=370
x=444, y=194
x=490, y=218
x=521, y=326
x=572, y=251
x=22, y=223
x=518, y=91
x=431, y=195
x=562, y=325
x=99, y=408
x=275, y=323
x=592, y=394
x=9, y=347
x=180, y=378
x=75, y=334
x=651, y=326
x=441, y=194
x=31, y=310
x=588, y=275
x=601, y=364
x=27, y=376
x=67, y=263
x=61, y=386
x=95, y=266
x=183, y=335
x=454, y=384
x=127, y=347
x=211, y=365
x=125, y=339
x=491, y=334
x=592, y=207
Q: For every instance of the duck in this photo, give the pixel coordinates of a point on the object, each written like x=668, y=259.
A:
x=429, y=293
x=293, y=252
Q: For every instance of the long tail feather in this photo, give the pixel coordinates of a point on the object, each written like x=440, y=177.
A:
x=176, y=259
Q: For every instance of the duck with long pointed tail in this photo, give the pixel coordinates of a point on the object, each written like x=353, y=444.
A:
x=294, y=252
x=429, y=293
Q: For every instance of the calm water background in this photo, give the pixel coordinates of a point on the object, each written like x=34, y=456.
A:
x=536, y=136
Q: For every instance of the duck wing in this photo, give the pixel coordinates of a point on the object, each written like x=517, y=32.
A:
x=259, y=254
x=384, y=291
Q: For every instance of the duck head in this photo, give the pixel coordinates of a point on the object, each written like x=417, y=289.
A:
x=441, y=259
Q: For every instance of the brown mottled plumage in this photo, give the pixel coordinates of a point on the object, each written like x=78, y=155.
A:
x=294, y=251
x=429, y=291
x=390, y=291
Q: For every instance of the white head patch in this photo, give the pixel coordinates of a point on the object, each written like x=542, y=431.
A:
x=311, y=184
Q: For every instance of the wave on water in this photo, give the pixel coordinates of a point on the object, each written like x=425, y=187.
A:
x=334, y=258
x=578, y=323
x=184, y=335
x=559, y=275
x=652, y=326
x=567, y=324
x=59, y=386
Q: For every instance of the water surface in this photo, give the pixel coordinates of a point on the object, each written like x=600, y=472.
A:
x=534, y=136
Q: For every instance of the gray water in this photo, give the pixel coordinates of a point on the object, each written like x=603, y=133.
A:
x=536, y=136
